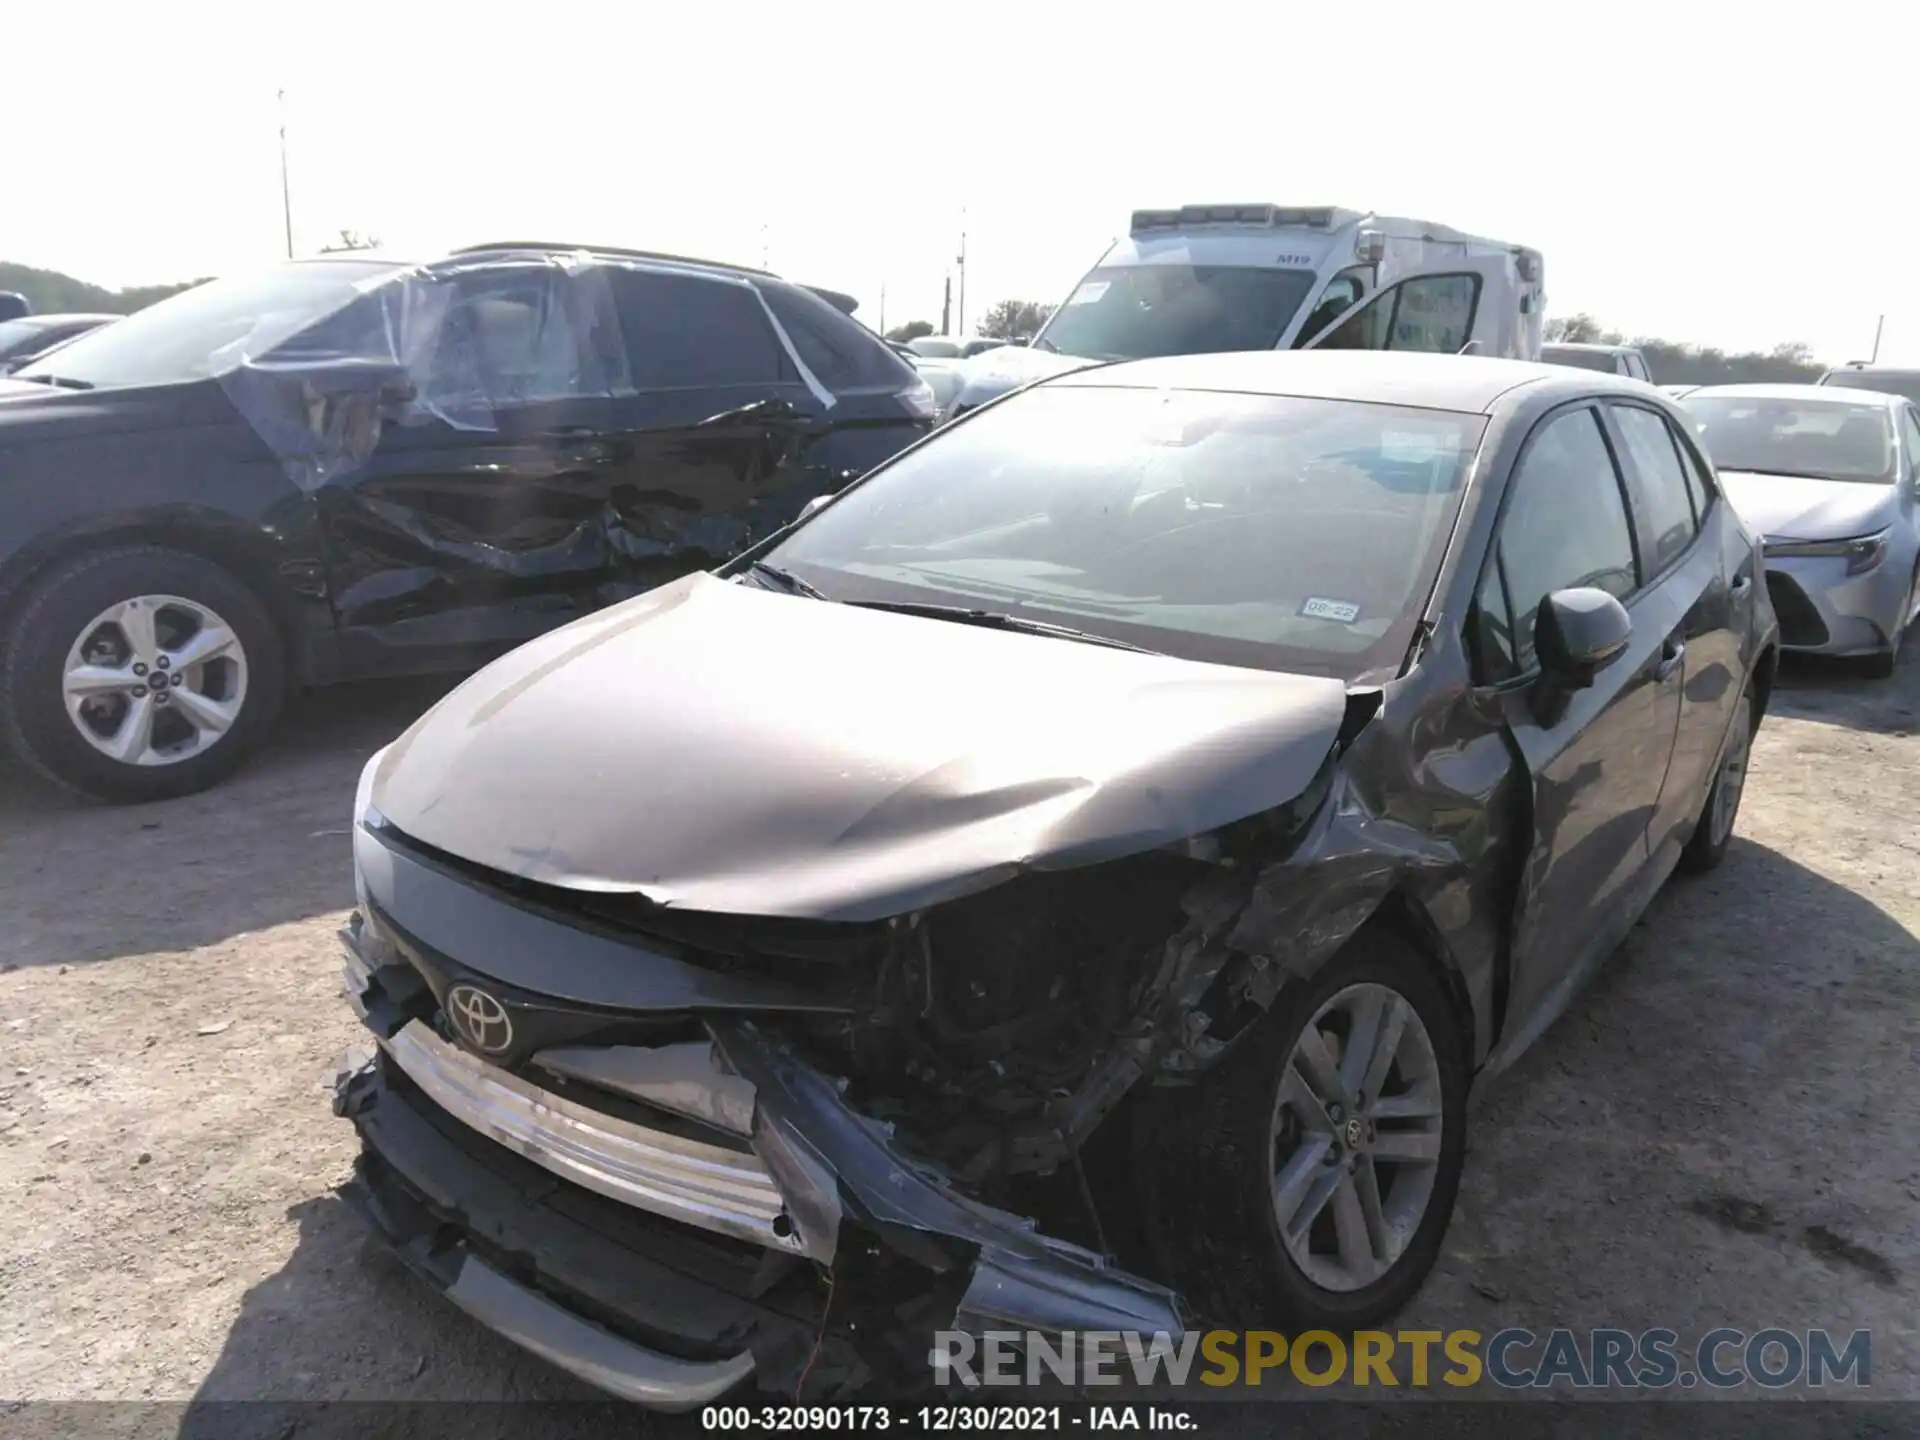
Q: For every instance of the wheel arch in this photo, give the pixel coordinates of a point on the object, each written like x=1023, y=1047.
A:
x=1402, y=916
x=245, y=554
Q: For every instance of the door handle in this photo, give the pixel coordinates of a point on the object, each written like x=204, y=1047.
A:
x=1742, y=585
x=1671, y=654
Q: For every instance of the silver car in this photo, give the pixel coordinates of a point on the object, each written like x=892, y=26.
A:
x=1827, y=477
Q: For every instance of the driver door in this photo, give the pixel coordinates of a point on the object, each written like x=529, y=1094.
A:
x=1596, y=762
x=1470, y=303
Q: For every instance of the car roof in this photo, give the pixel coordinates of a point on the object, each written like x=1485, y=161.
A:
x=1903, y=371
x=1801, y=392
x=1588, y=347
x=1470, y=384
x=555, y=247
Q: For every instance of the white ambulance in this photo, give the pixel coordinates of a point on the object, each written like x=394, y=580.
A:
x=1258, y=277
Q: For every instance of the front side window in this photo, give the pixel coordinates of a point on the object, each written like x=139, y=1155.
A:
x=1343, y=292
x=1662, y=508
x=1433, y=313
x=211, y=329
x=1266, y=531
x=687, y=331
x=1911, y=429
x=1130, y=312
x=1565, y=524
x=509, y=335
x=1817, y=438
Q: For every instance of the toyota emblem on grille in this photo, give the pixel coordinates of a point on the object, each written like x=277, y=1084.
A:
x=480, y=1020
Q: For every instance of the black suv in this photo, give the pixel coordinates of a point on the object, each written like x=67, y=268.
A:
x=354, y=466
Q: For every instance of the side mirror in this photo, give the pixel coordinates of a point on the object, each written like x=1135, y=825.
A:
x=812, y=505
x=1578, y=633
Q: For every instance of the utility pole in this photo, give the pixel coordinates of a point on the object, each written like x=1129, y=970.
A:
x=1878, y=326
x=963, y=270
x=946, y=307
x=883, y=309
x=763, y=246
x=286, y=190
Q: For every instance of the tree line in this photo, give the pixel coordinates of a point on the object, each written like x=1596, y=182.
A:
x=1671, y=362
x=49, y=292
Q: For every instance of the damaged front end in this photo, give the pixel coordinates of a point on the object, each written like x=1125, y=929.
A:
x=787, y=1150
x=879, y=1085
x=726, y=1211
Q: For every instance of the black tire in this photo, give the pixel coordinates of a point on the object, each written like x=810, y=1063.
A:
x=1204, y=1163
x=33, y=716
x=1704, y=850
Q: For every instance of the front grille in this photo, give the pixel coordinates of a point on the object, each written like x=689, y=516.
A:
x=1800, y=623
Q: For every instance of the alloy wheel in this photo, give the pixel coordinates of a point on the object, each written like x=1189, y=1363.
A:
x=1357, y=1137
x=155, y=680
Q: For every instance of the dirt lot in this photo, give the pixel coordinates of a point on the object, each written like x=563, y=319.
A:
x=1726, y=1130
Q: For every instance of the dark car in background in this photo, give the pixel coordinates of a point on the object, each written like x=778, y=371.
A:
x=1067, y=881
x=1864, y=375
x=354, y=466
x=26, y=339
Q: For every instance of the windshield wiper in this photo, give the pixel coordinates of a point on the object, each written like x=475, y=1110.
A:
x=63, y=382
x=997, y=620
x=781, y=580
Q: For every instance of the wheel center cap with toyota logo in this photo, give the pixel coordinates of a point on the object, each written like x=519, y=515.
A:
x=480, y=1020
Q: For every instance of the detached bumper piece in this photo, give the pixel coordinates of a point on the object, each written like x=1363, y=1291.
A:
x=689, y=1215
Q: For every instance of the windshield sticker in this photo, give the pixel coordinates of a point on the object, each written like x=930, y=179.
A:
x=1089, y=291
x=1414, y=447
x=1320, y=608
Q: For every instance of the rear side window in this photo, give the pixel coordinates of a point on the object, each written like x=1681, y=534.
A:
x=686, y=331
x=1565, y=525
x=1697, y=490
x=1663, y=510
x=841, y=354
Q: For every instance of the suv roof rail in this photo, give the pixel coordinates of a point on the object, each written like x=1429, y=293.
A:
x=610, y=250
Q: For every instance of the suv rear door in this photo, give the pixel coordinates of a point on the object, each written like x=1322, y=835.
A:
x=716, y=430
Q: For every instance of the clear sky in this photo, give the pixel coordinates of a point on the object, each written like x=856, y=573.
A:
x=1699, y=169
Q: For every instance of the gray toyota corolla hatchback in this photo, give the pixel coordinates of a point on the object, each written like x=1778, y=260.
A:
x=1069, y=880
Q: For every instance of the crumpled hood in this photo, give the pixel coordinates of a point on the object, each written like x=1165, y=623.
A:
x=723, y=748
x=992, y=373
x=1793, y=507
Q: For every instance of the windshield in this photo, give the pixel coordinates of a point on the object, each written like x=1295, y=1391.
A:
x=1254, y=530
x=1581, y=359
x=1904, y=383
x=211, y=328
x=934, y=349
x=1129, y=312
x=1825, y=439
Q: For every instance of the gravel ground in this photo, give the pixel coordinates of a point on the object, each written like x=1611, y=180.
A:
x=1724, y=1131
